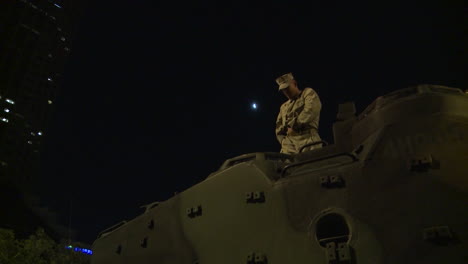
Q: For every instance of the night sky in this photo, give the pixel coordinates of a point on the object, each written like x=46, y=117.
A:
x=157, y=95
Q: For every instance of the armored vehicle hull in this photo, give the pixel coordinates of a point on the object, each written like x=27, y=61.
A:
x=391, y=189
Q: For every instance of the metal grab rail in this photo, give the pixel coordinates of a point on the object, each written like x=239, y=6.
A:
x=152, y=205
x=354, y=158
x=112, y=228
x=254, y=156
x=323, y=142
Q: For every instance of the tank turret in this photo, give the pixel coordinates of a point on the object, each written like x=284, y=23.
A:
x=392, y=188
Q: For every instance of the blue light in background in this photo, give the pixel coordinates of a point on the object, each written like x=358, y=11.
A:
x=77, y=249
x=57, y=6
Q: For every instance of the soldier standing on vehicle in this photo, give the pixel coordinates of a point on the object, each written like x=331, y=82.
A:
x=298, y=119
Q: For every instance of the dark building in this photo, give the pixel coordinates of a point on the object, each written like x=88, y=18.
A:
x=34, y=46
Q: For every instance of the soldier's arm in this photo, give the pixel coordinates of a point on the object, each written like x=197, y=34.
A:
x=280, y=128
x=311, y=110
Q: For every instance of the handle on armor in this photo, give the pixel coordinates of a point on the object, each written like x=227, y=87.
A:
x=112, y=228
x=354, y=158
x=323, y=142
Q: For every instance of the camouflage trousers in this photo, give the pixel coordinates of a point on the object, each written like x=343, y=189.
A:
x=291, y=144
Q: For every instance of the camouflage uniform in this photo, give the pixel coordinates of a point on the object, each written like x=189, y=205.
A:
x=302, y=115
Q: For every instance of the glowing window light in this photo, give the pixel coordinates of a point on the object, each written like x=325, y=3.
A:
x=29, y=142
x=9, y=101
x=49, y=79
x=6, y=110
x=49, y=101
x=33, y=134
x=4, y=120
x=39, y=133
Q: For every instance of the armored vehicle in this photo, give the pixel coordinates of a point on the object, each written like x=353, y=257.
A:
x=392, y=188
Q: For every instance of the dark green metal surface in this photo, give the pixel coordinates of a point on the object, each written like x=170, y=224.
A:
x=392, y=189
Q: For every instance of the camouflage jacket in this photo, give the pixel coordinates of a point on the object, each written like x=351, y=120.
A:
x=301, y=114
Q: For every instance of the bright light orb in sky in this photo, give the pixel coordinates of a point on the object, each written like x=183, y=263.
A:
x=254, y=106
